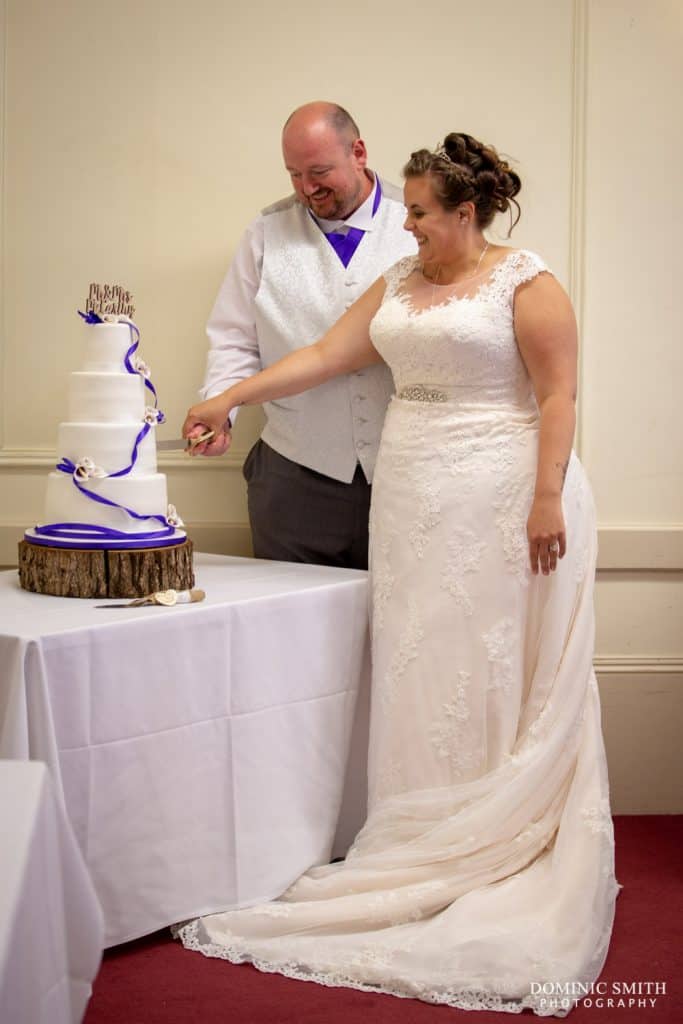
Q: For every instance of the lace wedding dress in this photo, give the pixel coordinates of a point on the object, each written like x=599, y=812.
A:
x=484, y=875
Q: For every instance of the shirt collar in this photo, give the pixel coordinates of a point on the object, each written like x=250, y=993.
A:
x=360, y=218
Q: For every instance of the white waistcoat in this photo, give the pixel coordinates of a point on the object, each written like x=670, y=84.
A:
x=304, y=288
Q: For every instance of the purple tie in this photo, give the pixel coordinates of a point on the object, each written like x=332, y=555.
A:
x=346, y=245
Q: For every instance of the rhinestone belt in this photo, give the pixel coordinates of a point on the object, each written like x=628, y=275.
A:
x=419, y=393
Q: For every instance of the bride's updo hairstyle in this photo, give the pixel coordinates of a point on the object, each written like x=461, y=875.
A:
x=465, y=170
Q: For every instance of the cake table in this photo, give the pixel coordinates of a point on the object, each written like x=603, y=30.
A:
x=202, y=751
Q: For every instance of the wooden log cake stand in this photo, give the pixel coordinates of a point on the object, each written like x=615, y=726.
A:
x=132, y=572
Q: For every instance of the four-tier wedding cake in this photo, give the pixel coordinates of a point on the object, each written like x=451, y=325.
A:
x=106, y=494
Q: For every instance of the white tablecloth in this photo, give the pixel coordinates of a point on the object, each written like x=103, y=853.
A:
x=201, y=749
x=50, y=922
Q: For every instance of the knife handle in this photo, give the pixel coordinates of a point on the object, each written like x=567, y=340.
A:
x=192, y=442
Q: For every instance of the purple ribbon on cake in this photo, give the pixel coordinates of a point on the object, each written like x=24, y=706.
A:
x=67, y=466
x=93, y=318
x=67, y=531
x=136, y=444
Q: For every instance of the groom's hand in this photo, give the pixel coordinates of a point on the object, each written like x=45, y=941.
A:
x=195, y=425
x=218, y=445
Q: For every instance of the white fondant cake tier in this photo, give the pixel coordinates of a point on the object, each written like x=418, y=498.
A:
x=145, y=495
x=109, y=445
x=106, y=346
x=106, y=397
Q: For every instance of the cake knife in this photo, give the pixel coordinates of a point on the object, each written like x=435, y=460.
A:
x=166, y=598
x=184, y=444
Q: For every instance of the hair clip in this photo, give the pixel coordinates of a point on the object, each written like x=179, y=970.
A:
x=441, y=152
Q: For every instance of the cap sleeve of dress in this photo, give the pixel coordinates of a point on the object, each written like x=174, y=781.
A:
x=398, y=273
x=522, y=266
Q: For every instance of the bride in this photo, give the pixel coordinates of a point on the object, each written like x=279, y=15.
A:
x=484, y=875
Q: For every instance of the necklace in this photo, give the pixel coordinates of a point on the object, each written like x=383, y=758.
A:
x=469, y=277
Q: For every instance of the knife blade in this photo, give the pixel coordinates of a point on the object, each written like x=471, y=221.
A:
x=184, y=444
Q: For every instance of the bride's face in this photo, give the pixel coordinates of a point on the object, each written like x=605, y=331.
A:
x=438, y=232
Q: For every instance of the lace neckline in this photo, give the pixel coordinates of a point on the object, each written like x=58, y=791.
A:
x=483, y=281
x=473, y=277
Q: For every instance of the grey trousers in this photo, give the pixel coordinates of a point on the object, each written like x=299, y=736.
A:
x=298, y=515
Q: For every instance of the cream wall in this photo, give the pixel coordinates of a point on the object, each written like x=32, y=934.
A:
x=138, y=140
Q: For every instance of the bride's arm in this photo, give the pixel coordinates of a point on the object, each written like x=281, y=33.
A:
x=545, y=327
x=344, y=348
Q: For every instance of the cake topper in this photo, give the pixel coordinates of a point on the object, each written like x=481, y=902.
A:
x=110, y=300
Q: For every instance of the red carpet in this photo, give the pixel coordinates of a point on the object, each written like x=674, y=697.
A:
x=156, y=980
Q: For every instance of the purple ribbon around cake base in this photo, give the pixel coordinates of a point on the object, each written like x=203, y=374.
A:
x=75, y=536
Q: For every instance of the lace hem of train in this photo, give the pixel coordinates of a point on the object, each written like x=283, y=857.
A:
x=458, y=999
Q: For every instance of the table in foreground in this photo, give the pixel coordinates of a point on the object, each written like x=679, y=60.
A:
x=201, y=750
x=50, y=921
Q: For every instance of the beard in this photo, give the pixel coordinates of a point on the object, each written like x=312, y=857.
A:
x=332, y=205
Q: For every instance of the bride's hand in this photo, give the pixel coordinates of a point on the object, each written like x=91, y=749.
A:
x=205, y=416
x=546, y=534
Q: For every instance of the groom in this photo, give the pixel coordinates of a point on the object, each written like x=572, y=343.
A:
x=297, y=268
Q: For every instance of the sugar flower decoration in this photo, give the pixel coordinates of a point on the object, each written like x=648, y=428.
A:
x=172, y=517
x=153, y=416
x=141, y=367
x=86, y=468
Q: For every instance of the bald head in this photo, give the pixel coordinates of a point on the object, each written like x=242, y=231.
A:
x=326, y=160
x=320, y=117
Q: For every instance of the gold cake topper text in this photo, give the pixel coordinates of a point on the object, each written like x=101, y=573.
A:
x=110, y=300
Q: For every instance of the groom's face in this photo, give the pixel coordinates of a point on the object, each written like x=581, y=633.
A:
x=327, y=171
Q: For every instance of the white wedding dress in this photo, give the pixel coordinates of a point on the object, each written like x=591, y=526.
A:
x=484, y=875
